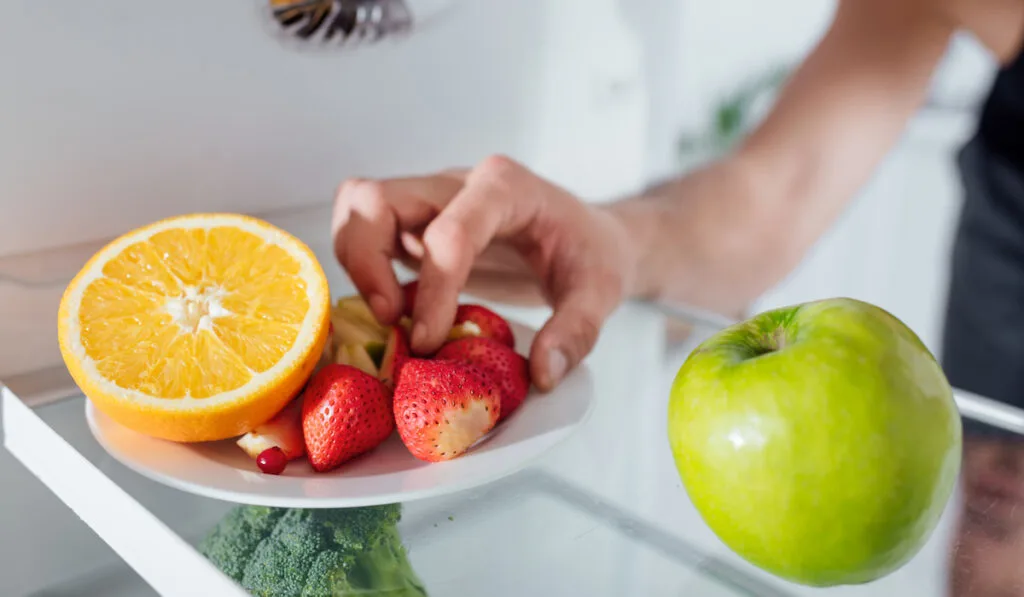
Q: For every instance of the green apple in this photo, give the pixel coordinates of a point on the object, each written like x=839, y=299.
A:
x=820, y=442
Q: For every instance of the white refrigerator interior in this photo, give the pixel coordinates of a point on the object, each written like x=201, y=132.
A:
x=117, y=113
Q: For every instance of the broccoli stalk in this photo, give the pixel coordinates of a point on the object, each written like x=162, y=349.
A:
x=314, y=553
x=386, y=566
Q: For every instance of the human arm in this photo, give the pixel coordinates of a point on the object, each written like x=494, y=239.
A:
x=721, y=236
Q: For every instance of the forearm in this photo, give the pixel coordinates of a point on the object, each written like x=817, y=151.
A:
x=728, y=213
x=772, y=199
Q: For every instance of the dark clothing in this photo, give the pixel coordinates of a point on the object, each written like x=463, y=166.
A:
x=983, y=341
x=1002, y=118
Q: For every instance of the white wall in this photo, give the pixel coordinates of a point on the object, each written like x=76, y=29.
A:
x=149, y=109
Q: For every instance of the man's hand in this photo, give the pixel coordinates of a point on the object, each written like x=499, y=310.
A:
x=497, y=223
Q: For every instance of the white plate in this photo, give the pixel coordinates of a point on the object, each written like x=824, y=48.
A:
x=388, y=474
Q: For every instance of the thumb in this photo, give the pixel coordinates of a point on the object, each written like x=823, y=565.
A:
x=567, y=337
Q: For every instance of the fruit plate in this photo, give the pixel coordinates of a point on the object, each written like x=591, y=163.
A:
x=388, y=474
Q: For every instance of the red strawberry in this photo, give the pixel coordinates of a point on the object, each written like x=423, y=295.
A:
x=443, y=407
x=476, y=320
x=409, y=297
x=505, y=366
x=346, y=412
x=395, y=351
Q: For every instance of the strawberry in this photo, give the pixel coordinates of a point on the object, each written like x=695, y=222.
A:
x=409, y=297
x=395, y=352
x=346, y=412
x=509, y=370
x=477, y=320
x=284, y=431
x=443, y=407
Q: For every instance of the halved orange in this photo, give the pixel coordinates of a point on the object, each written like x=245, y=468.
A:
x=195, y=328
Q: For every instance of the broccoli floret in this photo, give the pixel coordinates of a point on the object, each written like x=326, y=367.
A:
x=314, y=553
x=281, y=562
x=329, y=575
x=360, y=529
x=232, y=542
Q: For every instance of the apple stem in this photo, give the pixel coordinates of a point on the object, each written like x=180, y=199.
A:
x=774, y=341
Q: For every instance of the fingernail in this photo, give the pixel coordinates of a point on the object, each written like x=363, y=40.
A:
x=556, y=365
x=419, y=334
x=379, y=306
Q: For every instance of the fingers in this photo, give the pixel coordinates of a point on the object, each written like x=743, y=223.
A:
x=495, y=201
x=499, y=257
x=365, y=223
x=572, y=331
x=444, y=224
x=363, y=227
